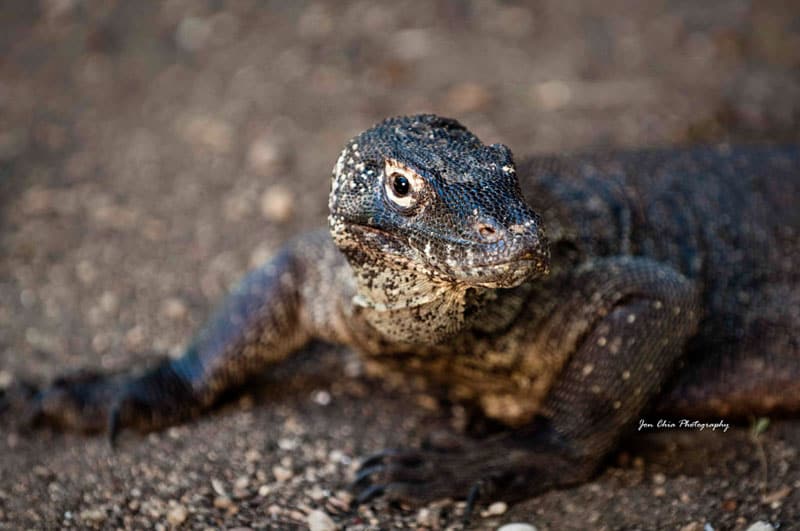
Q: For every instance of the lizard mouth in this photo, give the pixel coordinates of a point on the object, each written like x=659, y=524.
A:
x=499, y=265
x=506, y=274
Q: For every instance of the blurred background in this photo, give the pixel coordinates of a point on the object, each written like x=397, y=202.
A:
x=152, y=152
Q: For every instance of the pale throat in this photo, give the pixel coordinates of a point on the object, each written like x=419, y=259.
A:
x=406, y=304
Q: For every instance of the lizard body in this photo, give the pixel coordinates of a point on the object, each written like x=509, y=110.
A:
x=562, y=315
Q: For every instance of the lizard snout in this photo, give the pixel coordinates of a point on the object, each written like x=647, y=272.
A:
x=521, y=240
x=505, y=254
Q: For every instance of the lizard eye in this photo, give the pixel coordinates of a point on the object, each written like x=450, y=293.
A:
x=402, y=185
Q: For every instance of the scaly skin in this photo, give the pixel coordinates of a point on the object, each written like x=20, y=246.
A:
x=436, y=265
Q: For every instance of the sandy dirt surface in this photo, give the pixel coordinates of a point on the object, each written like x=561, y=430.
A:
x=150, y=153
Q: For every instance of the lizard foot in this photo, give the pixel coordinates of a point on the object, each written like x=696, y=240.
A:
x=78, y=402
x=508, y=467
x=414, y=477
x=92, y=403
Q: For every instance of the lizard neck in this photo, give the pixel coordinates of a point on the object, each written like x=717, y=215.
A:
x=408, y=306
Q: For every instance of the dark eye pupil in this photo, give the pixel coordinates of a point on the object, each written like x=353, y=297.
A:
x=400, y=185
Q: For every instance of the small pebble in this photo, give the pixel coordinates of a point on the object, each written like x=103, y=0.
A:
x=517, y=527
x=323, y=398
x=496, y=509
x=344, y=497
x=337, y=456
x=252, y=456
x=222, y=502
x=287, y=443
x=761, y=526
x=173, y=308
x=264, y=156
x=218, y=487
x=277, y=204
x=281, y=473
x=316, y=493
x=93, y=515
x=426, y=518
x=177, y=515
x=240, y=487
x=320, y=521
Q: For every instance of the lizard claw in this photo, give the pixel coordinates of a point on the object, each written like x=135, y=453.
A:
x=472, y=500
x=369, y=494
x=114, y=427
x=364, y=474
x=377, y=457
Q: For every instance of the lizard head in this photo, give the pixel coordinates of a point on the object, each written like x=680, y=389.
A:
x=423, y=194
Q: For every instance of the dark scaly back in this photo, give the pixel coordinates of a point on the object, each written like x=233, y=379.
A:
x=727, y=217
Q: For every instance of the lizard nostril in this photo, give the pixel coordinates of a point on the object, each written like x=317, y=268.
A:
x=488, y=232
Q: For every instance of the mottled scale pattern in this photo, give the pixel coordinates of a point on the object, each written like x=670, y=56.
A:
x=562, y=296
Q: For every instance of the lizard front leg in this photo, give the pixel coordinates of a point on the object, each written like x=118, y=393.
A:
x=259, y=324
x=623, y=322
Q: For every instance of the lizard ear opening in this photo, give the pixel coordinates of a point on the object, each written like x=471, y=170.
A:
x=402, y=186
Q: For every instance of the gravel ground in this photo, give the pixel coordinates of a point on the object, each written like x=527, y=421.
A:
x=150, y=153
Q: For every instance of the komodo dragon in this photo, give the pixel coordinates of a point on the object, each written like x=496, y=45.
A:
x=562, y=316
